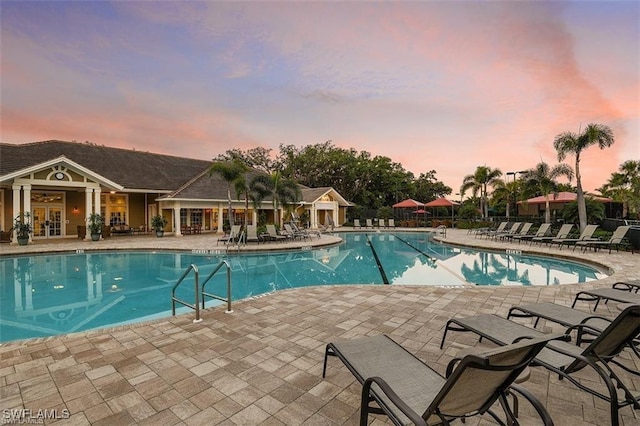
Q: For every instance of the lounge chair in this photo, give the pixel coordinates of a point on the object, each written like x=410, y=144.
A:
x=511, y=231
x=565, y=359
x=599, y=294
x=410, y=392
x=521, y=233
x=541, y=232
x=392, y=223
x=484, y=231
x=381, y=223
x=369, y=223
x=252, y=234
x=563, y=315
x=273, y=234
x=356, y=223
x=587, y=235
x=563, y=232
x=618, y=239
x=232, y=236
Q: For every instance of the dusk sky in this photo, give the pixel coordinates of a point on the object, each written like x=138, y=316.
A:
x=433, y=85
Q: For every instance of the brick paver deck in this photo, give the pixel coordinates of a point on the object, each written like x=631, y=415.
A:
x=262, y=364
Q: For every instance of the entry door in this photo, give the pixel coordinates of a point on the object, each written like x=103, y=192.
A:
x=47, y=221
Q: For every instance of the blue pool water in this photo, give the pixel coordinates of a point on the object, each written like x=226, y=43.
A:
x=59, y=294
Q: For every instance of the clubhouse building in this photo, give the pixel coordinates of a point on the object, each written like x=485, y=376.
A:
x=61, y=183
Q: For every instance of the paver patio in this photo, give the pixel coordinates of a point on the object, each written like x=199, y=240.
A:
x=262, y=364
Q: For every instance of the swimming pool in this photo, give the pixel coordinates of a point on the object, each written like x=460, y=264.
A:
x=59, y=294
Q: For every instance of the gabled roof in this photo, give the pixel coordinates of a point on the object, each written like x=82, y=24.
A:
x=128, y=168
x=311, y=195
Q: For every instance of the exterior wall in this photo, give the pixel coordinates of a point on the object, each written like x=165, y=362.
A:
x=137, y=210
x=74, y=217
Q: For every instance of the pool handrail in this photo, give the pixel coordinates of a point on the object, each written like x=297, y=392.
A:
x=206, y=280
x=174, y=299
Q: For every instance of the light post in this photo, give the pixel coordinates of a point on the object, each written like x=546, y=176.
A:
x=515, y=203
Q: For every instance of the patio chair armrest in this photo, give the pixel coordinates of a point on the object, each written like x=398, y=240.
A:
x=535, y=403
x=389, y=393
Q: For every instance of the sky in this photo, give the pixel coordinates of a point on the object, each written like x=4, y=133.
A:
x=433, y=85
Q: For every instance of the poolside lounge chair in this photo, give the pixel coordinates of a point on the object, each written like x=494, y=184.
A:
x=381, y=223
x=617, y=239
x=599, y=294
x=563, y=232
x=523, y=232
x=490, y=231
x=410, y=392
x=252, y=234
x=392, y=223
x=586, y=235
x=541, y=232
x=356, y=223
x=566, y=359
x=232, y=236
x=511, y=231
x=273, y=235
x=369, y=223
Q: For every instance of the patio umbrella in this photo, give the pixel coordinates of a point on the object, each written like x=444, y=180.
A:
x=442, y=202
x=409, y=203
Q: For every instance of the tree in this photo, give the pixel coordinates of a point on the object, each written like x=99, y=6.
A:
x=595, y=211
x=574, y=143
x=504, y=193
x=543, y=178
x=624, y=186
x=478, y=183
x=282, y=191
x=231, y=172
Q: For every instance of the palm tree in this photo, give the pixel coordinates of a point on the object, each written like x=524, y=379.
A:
x=478, y=183
x=625, y=186
x=282, y=191
x=231, y=172
x=572, y=143
x=505, y=191
x=543, y=178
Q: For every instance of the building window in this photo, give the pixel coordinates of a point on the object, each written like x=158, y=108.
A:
x=114, y=208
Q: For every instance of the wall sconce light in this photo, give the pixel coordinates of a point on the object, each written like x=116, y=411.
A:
x=75, y=209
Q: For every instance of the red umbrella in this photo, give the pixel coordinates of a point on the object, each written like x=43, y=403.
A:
x=408, y=203
x=442, y=202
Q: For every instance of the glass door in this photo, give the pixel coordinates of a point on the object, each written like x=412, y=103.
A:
x=47, y=221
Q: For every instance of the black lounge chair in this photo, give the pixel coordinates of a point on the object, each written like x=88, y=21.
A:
x=566, y=359
x=617, y=294
x=410, y=392
x=619, y=238
x=541, y=232
x=586, y=235
x=563, y=232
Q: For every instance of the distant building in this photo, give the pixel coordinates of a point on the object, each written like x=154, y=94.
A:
x=536, y=206
x=61, y=183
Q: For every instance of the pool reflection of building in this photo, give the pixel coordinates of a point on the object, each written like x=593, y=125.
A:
x=36, y=279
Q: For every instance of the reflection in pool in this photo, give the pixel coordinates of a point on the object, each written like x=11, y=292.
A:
x=57, y=294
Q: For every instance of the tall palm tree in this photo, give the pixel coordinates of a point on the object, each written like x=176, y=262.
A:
x=231, y=172
x=478, y=183
x=574, y=143
x=282, y=191
x=543, y=178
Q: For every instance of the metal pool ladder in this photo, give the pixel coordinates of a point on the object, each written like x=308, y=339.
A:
x=200, y=293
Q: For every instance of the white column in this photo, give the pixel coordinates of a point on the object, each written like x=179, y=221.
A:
x=88, y=208
x=176, y=221
x=254, y=217
x=314, y=217
x=16, y=210
x=220, y=218
x=27, y=206
x=96, y=201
